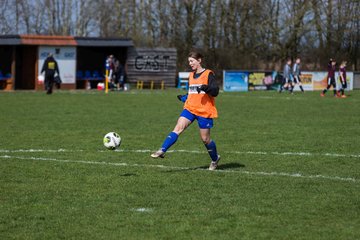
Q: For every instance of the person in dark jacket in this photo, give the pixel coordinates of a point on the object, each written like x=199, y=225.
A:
x=50, y=67
x=118, y=74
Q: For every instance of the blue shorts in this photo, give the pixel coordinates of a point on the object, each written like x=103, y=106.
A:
x=204, y=123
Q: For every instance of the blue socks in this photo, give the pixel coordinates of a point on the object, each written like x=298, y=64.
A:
x=211, y=147
x=169, y=141
x=172, y=138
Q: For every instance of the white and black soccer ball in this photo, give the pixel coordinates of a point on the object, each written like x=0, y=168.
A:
x=112, y=140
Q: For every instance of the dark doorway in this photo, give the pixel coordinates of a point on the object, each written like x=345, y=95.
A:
x=26, y=67
x=5, y=59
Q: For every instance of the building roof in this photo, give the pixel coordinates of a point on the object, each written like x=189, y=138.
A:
x=10, y=40
x=43, y=40
x=103, y=42
x=47, y=40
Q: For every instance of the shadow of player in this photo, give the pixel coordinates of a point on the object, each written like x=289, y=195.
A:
x=128, y=175
x=224, y=166
x=230, y=166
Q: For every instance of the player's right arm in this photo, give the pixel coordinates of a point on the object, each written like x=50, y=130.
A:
x=182, y=98
x=44, y=67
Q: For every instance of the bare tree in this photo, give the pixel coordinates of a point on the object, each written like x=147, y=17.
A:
x=231, y=33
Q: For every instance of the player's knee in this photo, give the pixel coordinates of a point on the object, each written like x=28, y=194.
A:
x=206, y=139
x=179, y=128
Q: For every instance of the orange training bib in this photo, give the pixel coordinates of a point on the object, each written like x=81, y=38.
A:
x=200, y=104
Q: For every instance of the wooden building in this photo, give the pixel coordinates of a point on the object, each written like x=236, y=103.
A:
x=152, y=65
x=21, y=58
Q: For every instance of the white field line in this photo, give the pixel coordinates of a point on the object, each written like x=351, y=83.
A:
x=281, y=174
x=267, y=97
x=37, y=150
x=187, y=151
x=277, y=97
x=142, y=209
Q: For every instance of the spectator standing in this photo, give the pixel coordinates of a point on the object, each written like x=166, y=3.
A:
x=50, y=67
x=110, y=67
x=119, y=74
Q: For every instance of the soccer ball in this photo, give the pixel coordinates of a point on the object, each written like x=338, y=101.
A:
x=112, y=140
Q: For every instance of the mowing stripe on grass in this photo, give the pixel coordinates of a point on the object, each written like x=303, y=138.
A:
x=188, y=151
x=278, y=174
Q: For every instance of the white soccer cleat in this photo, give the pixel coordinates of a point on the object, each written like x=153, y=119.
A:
x=158, y=154
x=214, y=164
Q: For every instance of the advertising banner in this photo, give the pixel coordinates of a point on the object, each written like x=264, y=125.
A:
x=256, y=81
x=251, y=80
x=235, y=81
x=66, y=59
x=264, y=80
x=306, y=81
x=319, y=80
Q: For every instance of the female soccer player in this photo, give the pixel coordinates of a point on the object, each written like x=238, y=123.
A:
x=199, y=105
x=330, y=78
x=342, y=74
x=287, y=74
x=297, y=73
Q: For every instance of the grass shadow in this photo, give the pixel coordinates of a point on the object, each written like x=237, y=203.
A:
x=230, y=166
x=224, y=166
x=220, y=167
x=128, y=174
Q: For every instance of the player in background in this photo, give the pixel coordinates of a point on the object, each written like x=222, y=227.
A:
x=287, y=77
x=199, y=105
x=330, y=77
x=297, y=73
x=342, y=75
x=110, y=65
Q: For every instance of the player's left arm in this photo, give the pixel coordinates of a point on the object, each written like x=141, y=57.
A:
x=57, y=68
x=212, y=88
x=342, y=76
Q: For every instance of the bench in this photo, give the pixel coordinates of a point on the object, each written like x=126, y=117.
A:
x=183, y=80
x=89, y=79
x=153, y=84
x=6, y=81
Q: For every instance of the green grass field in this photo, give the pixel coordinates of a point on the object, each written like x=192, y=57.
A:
x=289, y=168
